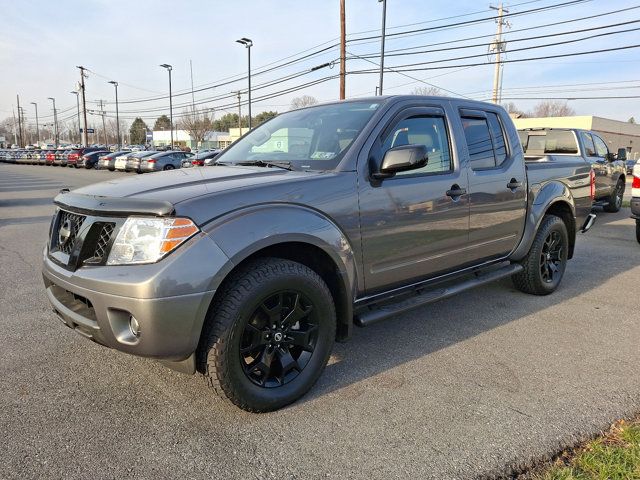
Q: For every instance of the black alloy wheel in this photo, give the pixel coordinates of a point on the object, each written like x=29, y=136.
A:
x=268, y=334
x=279, y=339
x=551, y=257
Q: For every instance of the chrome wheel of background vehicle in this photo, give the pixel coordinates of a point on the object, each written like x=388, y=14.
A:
x=615, y=201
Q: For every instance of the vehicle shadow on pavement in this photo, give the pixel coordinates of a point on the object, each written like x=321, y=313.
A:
x=381, y=347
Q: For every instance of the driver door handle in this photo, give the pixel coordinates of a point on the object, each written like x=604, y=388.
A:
x=514, y=184
x=456, y=192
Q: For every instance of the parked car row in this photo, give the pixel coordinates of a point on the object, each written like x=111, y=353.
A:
x=128, y=160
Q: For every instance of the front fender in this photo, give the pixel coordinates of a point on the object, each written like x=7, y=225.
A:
x=541, y=198
x=241, y=233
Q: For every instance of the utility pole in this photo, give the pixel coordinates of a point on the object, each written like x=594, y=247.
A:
x=169, y=68
x=384, y=21
x=78, y=111
x=15, y=128
x=104, y=127
x=20, y=138
x=239, y=114
x=55, y=121
x=115, y=84
x=343, y=50
x=37, y=125
x=498, y=46
x=85, y=137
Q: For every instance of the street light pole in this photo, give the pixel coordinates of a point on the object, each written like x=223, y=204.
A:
x=115, y=84
x=37, y=126
x=78, y=110
x=384, y=20
x=55, y=121
x=169, y=68
x=248, y=44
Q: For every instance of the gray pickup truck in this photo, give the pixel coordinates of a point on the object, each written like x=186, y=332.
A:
x=542, y=144
x=321, y=218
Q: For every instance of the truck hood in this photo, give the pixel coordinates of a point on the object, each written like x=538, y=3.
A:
x=158, y=193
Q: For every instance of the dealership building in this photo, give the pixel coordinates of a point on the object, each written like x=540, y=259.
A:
x=181, y=138
x=617, y=134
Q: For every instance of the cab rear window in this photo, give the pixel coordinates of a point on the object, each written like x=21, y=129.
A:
x=548, y=142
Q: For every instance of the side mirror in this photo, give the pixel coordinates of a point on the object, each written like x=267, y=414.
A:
x=401, y=159
x=610, y=157
x=622, y=154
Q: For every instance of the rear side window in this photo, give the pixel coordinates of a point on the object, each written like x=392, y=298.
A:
x=548, y=142
x=479, y=143
x=589, y=148
x=499, y=143
x=422, y=130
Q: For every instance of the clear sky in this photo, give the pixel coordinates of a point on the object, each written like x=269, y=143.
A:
x=42, y=42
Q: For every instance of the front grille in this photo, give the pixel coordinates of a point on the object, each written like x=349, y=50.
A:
x=102, y=241
x=73, y=223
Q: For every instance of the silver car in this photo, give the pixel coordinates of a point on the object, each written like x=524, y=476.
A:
x=163, y=161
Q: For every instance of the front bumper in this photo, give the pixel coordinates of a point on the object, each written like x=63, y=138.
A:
x=169, y=300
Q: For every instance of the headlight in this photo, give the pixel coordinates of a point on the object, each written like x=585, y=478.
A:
x=147, y=240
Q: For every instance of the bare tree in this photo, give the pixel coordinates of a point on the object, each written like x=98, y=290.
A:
x=514, y=111
x=303, y=101
x=551, y=108
x=428, y=91
x=196, y=123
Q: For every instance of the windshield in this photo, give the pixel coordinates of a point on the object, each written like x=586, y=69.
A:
x=313, y=138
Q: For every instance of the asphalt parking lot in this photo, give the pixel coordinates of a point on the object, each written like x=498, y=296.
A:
x=467, y=387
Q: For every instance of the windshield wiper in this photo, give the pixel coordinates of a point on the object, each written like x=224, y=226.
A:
x=261, y=163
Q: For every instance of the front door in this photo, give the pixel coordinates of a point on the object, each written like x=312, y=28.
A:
x=497, y=186
x=598, y=163
x=411, y=229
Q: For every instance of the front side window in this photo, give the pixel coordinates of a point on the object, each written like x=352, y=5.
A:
x=479, y=143
x=601, y=147
x=422, y=130
x=314, y=138
x=589, y=148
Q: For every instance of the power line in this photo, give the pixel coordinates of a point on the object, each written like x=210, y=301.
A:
x=537, y=37
x=523, y=49
x=471, y=22
x=546, y=57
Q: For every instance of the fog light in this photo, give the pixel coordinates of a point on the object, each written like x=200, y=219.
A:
x=134, y=326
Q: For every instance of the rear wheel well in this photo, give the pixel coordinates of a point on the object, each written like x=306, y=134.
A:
x=320, y=262
x=563, y=210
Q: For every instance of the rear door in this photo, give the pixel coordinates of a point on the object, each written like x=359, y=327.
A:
x=411, y=229
x=497, y=185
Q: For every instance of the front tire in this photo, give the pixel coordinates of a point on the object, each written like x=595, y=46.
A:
x=268, y=335
x=615, y=200
x=546, y=261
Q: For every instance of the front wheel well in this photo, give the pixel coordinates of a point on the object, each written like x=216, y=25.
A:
x=320, y=262
x=563, y=210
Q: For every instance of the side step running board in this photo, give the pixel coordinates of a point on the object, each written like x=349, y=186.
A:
x=376, y=313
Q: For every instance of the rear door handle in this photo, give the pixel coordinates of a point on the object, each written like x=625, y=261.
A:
x=456, y=192
x=514, y=184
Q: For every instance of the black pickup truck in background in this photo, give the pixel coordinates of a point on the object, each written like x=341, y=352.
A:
x=541, y=144
x=318, y=219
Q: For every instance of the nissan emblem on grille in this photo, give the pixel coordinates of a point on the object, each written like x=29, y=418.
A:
x=64, y=234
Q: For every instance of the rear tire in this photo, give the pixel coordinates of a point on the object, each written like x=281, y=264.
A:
x=245, y=359
x=546, y=261
x=168, y=167
x=638, y=230
x=615, y=200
